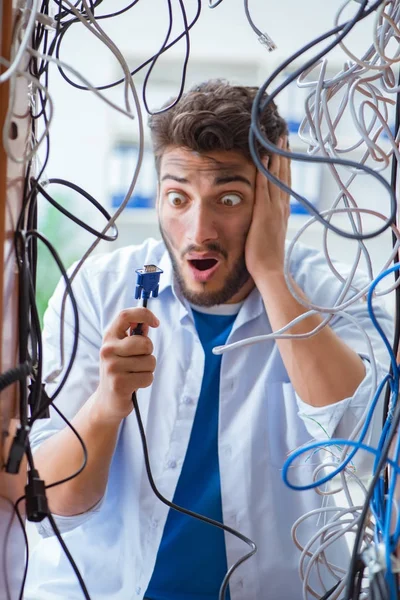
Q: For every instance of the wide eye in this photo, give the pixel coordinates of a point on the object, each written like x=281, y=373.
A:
x=176, y=199
x=231, y=199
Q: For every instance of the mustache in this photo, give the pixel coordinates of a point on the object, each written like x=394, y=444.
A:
x=210, y=246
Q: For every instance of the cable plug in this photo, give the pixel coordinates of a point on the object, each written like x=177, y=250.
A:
x=36, y=501
x=267, y=41
x=36, y=400
x=46, y=20
x=17, y=450
x=147, y=282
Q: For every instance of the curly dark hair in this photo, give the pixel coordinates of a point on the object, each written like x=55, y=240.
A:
x=214, y=115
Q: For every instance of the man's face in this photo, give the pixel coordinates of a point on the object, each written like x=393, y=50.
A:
x=205, y=207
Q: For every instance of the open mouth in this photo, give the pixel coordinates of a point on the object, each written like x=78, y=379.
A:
x=203, y=264
x=203, y=269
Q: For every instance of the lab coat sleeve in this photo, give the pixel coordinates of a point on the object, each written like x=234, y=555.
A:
x=83, y=377
x=359, y=333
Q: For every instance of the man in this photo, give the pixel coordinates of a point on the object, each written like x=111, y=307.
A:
x=218, y=429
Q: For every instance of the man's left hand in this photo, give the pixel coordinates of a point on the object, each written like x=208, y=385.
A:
x=265, y=244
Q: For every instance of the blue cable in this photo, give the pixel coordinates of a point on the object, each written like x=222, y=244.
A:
x=381, y=509
x=388, y=540
x=374, y=320
x=322, y=443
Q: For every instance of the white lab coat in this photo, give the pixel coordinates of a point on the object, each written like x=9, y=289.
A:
x=260, y=421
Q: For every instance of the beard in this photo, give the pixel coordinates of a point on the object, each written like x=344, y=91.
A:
x=234, y=281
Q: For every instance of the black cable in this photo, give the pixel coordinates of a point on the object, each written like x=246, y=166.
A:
x=68, y=555
x=250, y=20
x=185, y=511
x=21, y=522
x=30, y=343
x=396, y=337
x=190, y=513
x=82, y=192
x=360, y=575
x=84, y=450
x=329, y=593
x=162, y=49
x=383, y=591
x=14, y=374
x=350, y=578
x=212, y=4
x=63, y=31
x=119, y=12
x=36, y=337
x=261, y=102
x=156, y=56
x=23, y=323
x=76, y=318
x=49, y=515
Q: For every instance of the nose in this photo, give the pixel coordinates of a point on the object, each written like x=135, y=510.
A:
x=201, y=226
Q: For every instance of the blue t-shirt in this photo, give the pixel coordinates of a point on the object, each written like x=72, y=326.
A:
x=191, y=561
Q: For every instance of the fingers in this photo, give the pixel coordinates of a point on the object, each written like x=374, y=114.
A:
x=136, y=345
x=262, y=183
x=130, y=318
x=285, y=175
x=134, y=364
x=279, y=167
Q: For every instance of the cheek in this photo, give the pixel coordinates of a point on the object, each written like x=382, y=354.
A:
x=174, y=228
x=236, y=233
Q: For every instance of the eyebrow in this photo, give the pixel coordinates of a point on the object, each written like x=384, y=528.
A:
x=217, y=180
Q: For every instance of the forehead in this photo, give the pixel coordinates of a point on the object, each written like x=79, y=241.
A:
x=186, y=162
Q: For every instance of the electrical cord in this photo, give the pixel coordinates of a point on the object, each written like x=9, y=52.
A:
x=162, y=49
x=74, y=306
x=21, y=441
x=43, y=68
x=64, y=211
x=26, y=247
x=14, y=374
x=135, y=71
x=16, y=60
x=63, y=545
x=250, y=20
x=185, y=511
x=396, y=338
x=214, y=4
x=117, y=13
x=259, y=106
x=374, y=151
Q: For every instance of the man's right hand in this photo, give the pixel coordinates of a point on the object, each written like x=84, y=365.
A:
x=126, y=363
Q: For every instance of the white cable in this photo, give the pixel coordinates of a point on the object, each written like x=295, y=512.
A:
x=53, y=376
x=312, y=308
x=28, y=155
x=83, y=79
x=16, y=60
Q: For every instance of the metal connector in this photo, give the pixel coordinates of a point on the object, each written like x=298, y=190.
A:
x=147, y=282
x=267, y=41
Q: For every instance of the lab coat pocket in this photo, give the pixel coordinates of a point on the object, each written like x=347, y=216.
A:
x=285, y=430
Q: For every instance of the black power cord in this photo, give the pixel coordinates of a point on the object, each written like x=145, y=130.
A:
x=393, y=184
x=160, y=52
x=65, y=26
x=250, y=20
x=355, y=558
x=181, y=509
x=64, y=211
x=37, y=510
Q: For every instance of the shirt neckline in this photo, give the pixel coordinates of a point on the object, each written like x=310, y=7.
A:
x=218, y=309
